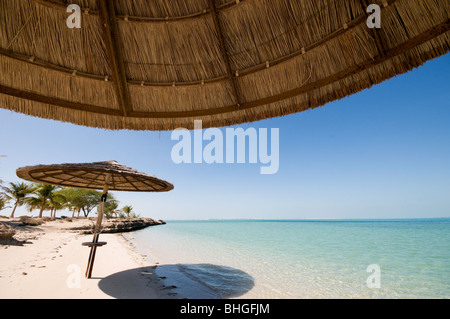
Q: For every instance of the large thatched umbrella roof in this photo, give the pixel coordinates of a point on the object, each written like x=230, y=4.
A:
x=158, y=65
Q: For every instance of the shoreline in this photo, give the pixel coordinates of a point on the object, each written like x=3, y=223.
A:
x=48, y=262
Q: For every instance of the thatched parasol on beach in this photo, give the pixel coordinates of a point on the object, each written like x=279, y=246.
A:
x=157, y=65
x=108, y=175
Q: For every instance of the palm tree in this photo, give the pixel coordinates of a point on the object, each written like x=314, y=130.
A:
x=57, y=201
x=127, y=210
x=3, y=201
x=44, y=196
x=18, y=192
x=110, y=208
x=34, y=203
x=3, y=197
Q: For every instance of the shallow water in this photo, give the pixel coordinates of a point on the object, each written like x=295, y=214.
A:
x=302, y=259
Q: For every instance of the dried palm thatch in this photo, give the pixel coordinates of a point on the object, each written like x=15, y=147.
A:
x=158, y=65
x=94, y=176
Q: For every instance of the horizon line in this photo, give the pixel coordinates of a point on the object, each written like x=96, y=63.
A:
x=309, y=219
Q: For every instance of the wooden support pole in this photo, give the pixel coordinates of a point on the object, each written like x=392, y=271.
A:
x=97, y=228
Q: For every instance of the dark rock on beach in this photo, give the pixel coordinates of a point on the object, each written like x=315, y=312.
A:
x=6, y=231
x=121, y=225
x=19, y=231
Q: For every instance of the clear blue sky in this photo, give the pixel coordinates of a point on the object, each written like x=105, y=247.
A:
x=381, y=153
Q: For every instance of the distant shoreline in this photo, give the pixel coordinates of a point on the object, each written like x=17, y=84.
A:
x=313, y=220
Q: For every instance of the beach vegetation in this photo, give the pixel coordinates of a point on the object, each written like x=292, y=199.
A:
x=19, y=193
x=44, y=197
x=111, y=208
x=85, y=200
x=75, y=199
x=4, y=200
x=88, y=199
x=127, y=211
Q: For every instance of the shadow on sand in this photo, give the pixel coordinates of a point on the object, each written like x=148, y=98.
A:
x=14, y=242
x=193, y=281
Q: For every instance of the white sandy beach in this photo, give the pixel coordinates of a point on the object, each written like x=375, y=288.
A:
x=51, y=264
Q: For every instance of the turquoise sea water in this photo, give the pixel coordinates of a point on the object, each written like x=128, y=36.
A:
x=302, y=259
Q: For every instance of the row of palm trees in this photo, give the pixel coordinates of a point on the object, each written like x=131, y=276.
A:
x=44, y=197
